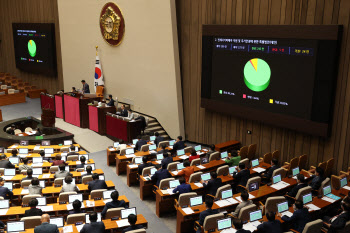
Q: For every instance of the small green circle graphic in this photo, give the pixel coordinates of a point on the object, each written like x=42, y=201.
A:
x=32, y=48
x=257, y=74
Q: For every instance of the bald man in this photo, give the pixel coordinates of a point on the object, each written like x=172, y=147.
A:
x=45, y=226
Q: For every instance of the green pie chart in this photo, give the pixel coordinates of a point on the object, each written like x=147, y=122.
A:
x=257, y=74
x=32, y=48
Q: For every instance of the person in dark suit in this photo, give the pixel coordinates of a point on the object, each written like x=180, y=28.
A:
x=93, y=226
x=299, y=218
x=111, y=101
x=140, y=143
x=88, y=170
x=167, y=159
x=241, y=177
x=317, y=179
x=96, y=183
x=213, y=184
x=183, y=187
x=45, y=226
x=11, y=130
x=158, y=138
x=163, y=150
x=115, y=203
x=4, y=163
x=14, y=153
x=76, y=208
x=211, y=150
x=301, y=183
x=29, y=175
x=33, y=211
x=72, y=151
x=209, y=211
x=86, y=88
x=4, y=191
x=274, y=165
x=338, y=222
x=123, y=112
x=161, y=174
x=62, y=173
x=179, y=144
x=272, y=225
x=132, y=219
x=239, y=226
x=144, y=164
x=82, y=162
x=143, y=122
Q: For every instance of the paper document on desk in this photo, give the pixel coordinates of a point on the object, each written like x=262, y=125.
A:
x=132, y=146
x=170, y=191
x=46, y=208
x=251, y=226
x=3, y=211
x=37, y=176
x=112, y=149
x=64, y=154
x=231, y=200
x=240, y=199
x=184, y=157
x=165, y=192
x=171, y=147
x=346, y=187
x=229, y=230
x=78, y=162
x=200, y=153
x=8, y=177
x=69, y=206
x=123, y=223
x=37, y=148
x=201, y=167
x=133, y=166
x=199, y=185
x=279, y=185
x=175, y=173
x=328, y=199
x=222, y=203
x=46, y=175
x=287, y=213
x=37, y=164
x=159, y=161
x=312, y=207
x=259, y=169
x=68, y=229
x=79, y=227
x=130, y=156
x=153, y=152
x=22, y=155
x=187, y=210
x=90, y=203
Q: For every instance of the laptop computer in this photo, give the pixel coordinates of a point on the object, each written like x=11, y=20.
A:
x=87, y=218
x=101, y=177
x=224, y=155
x=90, y=164
x=14, y=160
x=295, y=171
x=58, y=221
x=253, y=186
x=198, y=148
x=45, y=142
x=138, y=160
x=226, y=194
x=152, y=147
x=171, y=143
x=4, y=204
x=194, y=201
x=37, y=170
x=73, y=197
x=276, y=179
x=17, y=226
x=180, y=166
x=224, y=224
x=23, y=143
x=283, y=209
x=129, y=151
x=231, y=170
x=205, y=176
x=23, y=151
x=343, y=182
x=174, y=183
x=307, y=198
x=107, y=194
x=255, y=215
x=255, y=162
x=67, y=142
x=134, y=141
x=9, y=185
x=37, y=159
x=160, y=157
x=115, y=144
x=42, y=183
x=153, y=170
x=9, y=172
x=180, y=152
x=126, y=212
x=48, y=151
x=152, y=138
x=41, y=201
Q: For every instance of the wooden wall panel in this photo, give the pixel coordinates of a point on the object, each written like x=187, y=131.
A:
x=33, y=11
x=209, y=127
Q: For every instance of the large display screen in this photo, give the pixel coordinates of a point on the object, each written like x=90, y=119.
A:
x=278, y=76
x=35, y=47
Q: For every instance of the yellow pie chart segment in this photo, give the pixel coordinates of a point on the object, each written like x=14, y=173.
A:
x=254, y=63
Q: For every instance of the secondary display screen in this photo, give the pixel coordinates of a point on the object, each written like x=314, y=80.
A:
x=35, y=47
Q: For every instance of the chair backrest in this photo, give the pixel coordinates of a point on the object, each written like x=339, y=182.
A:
x=58, y=181
x=3, y=87
x=271, y=203
x=64, y=149
x=72, y=157
x=24, y=172
x=246, y=162
x=11, y=91
x=243, y=152
x=172, y=166
x=244, y=212
x=122, y=151
x=302, y=192
x=293, y=164
x=25, y=183
x=189, y=149
x=253, y=180
x=267, y=158
x=54, y=169
x=99, y=91
x=28, y=129
x=214, y=156
x=313, y=227
x=144, y=148
x=195, y=177
x=138, y=231
x=80, y=170
x=323, y=165
x=165, y=183
x=86, y=179
x=27, y=198
x=329, y=167
x=146, y=171
x=302, y=161
x=276, y=154
x=280, y=171
x=64, y=197
x=17, y=131
x=74, y=218
x=335, y=181
x=223, y=170
x=98, y=193
x=210, y=222
x=195, y=162
x=163, y=143
x=1, y=198
x=346, y=229
x=324, y=183
x=31, y=222
x=221, y=189
x=251, y=151
x=184, y=198
x=113, y=212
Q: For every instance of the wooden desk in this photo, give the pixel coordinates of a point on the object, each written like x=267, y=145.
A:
x=71, y=164
x=34, y=94
x=97, y=118
x=82, y=152
x=120, y=129
x=233, y=144
x=46, y=101
x=111, y=155
x=15, y=98
x=30, y=148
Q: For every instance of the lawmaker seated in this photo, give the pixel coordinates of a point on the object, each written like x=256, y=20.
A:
x=62, y=173
x=299, y=218
x=76, y=208
x=34, y=187
x=213, y=184
x=88, y=171
x=209, y=211
x=338, y=222
x=4, y=191
x=72, y=151
x=82, y=162
x=68, y=186
x=241, y=177
x=233, y=159
x=96, y=183
x=33, y=211
x=158, y=138
x=93, y=226
x=46, y=226
x=167, y=158
x=245, y=202
x=110, y=101
x=115, y=203
x=140, y=142
x=132, y=219
x=193, y=156
x=183, y=187
x=274, y=166
x=58, y=160
x=272, y=225
x=161, y=174
x=130, y=116
x=4, y=163
x=238, y=224
x=179, y=144
x=301, y=183
x=317, y=179
x=14, y=152
x=29, y=175
x=163, y=150
x=187, y=171
x=25, y=165
x=123, y=112
x=143, y=165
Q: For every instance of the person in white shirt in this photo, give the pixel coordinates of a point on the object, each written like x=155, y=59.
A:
x=130, y=115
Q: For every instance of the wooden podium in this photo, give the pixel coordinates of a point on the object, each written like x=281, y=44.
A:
x=48, y=118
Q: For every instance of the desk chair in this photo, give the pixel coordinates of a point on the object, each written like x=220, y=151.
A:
x=310, y=227
x=74, y=218
x=18, y=131
x=28, y=129
x=58, y=181
x=210, y=223
x=25, y=183
x=27, y=198
x=54, y=169
x=80, y=169
x=302, y=162
x=99, y=91
x=243, y=152
x=147, y=171
x=195, y=177
x=98, y=193
x=86, y=179
x=189, y=149
x=223, y=170
x=244, y=212
x=113, y=212
x=63, y=197
x=184, y=199
x=256, y=179
x=301, y=193
x=280, y=171
x=122, y=151
x=164, y=183
x=163, y=143
x=11, y=91
x=144, y=148
x=195, y=162
x=294, y=162
x=72, y=157
x=64, y=149
x=3, y=87
x=266, y=158
x=251, y=151
x=214, y=156
x=346, y=228
x=172, y=166
x=329, y=167
x=31, y=222
x=276, y=154
x=324, y=183
x=246, y=162
x=271, y=204
x=138, y=231
x=220, y=190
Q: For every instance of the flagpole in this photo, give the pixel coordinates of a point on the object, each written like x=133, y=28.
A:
x=96, y=49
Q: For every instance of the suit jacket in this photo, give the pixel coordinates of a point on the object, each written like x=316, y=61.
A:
x=143, y=121
x=295, y=189
x=270, y=226
x=183, y=188
x=186, y=172
x=86, y=88
x=80, y=165
x=339, y=222
x=33, y=212
x=179, y=145
x=6, y=164
x=316, y=182
x=62, y=174
x=159, y=175
x=142, y=166
x=240, y=206
x=35, y=189
x=158, y=140
x=269, y=173
x=5, y=192
x=124, y=113
x=76, y=212
x=167, y=160
x=93, y=227
x=69, y=188
x=97, y=184
x=242, y=177
x=131, y=228
x=46, y=228
x=213, y=186
x=113, y=204
x=206, y=213
x=111, y=102
x=139, y=144
x=299, y=218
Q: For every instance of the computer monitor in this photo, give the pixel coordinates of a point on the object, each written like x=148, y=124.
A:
x=45, y=143
x=37, y=170
x=67, y=168
x=307, y=198
x=73, y=181
x=126, y=212
x=153, y=170
x=194, y=201
x=253, y=186
x=180, y=166
x=23, y=151
x=160, y=157
x=152, y=147
x=204, y=159
x=180, y=152
x=276, y=178
x=224, y=155
x=174, y=183
x=48, y=151
x=73, y=197
x=129, y=151
x=152, y=138
x=116, y=144
x=295, y=171
x=90, y=164
x=37, y=159
x=41, y=201
x=23, y=143
x=17, y=226
x=86, y=156
x=67, y=142
x=343, y=182
x=255, y=162
x=138, y=160
x=58, y=221
x=42, y=183
x=134, y=141
x=9, y=172
x=198, y=148
x=327, y=190
x=171, y=143
x=87, y=218
x=9, y=185
x=205, y=176
x=63, y=157
x=255, y=215
x=283, y=206
x=14, y=160
x=101, y=177
x=224, y=223
x=226, y=194
x=107, y=194
x=4, y=204
x=231, y=170
x=2, y=149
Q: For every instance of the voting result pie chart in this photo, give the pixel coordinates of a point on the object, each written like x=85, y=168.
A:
x=32, y=48
x=257, y=74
